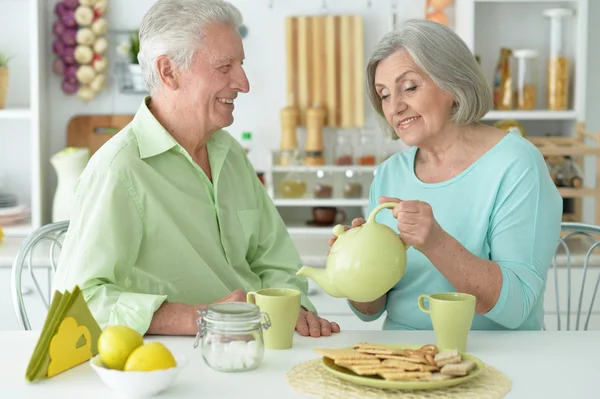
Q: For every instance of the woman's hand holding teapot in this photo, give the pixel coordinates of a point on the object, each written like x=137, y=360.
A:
x=416, y=224
x=355, y=223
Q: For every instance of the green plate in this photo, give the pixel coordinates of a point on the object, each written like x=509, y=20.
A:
x=379, y=382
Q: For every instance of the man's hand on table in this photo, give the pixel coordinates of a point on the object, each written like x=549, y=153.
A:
x=311, y=324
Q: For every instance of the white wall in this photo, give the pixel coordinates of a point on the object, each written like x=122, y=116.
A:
x=258, y=111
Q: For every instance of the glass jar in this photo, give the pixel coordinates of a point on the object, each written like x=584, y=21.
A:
x=292, y=186
x=368, y=150
x=231, y=336
x=344, y=151
x=352, y=186
x=558, y=64
x=527, y=78
x=503, y=93
x=324, y=185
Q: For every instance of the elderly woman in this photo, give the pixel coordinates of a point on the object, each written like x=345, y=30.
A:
x=476, y=203
x=170, y=215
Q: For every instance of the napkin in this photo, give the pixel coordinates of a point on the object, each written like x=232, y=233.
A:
x=69, y=337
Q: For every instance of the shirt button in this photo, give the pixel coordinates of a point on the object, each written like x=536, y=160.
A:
x=128, y=282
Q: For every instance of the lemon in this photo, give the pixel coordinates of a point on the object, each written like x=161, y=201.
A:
x=149, y=357
x=116, y=343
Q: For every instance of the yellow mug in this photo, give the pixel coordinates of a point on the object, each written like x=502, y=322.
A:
x=451, y=315
x=283, y=307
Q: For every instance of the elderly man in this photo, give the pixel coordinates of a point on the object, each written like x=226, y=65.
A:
x=170, y=215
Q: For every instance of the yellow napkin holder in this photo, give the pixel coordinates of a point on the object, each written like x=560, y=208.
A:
x=69, y=337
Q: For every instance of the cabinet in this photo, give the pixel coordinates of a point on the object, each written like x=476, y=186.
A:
x=21, y=122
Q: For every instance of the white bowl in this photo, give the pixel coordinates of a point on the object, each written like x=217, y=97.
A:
x=138, y=384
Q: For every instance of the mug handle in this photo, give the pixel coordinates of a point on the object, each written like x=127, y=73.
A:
x=251, y=297
x=421, y=303
x=343, y=214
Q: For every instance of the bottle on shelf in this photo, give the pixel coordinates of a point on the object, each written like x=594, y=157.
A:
x=344, y=151
x=503, y=92
x=558, y=63
x=323, y=185
x=367, y=150
x=352, y=186
x=289, y=140
x=315, y=119
x=527, y=78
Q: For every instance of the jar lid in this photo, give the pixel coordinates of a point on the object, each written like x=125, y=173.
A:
x=232, y=312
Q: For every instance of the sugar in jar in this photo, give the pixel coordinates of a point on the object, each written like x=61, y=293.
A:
x=231, y=337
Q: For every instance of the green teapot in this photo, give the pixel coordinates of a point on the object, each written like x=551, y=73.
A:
x=364, y=263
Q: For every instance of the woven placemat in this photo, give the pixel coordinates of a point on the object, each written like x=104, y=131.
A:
x=311, y=379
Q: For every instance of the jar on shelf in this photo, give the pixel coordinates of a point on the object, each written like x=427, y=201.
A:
x=558, y=63
x=503, y=92
x=292, y=186
x=367, y=150
x=344, y=150
x=324, y=185
x=231, y=336
x=527, y=78
x=352, y=185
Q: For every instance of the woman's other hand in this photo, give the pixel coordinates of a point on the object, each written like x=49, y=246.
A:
x=416, y=223
x=355, y=223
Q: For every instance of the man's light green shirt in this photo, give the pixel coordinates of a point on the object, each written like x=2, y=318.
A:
x=148, y=226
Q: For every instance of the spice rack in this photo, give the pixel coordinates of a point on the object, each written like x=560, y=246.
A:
x=583, y=144
x=332, y=186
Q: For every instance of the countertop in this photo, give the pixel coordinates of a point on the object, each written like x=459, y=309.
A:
x=540, y=364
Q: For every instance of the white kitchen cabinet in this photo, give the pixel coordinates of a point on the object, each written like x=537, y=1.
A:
x=36, y=310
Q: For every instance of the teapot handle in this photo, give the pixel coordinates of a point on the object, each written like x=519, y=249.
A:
x=389, y=205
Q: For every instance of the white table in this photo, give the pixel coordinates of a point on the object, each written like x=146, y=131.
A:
x=543, y=365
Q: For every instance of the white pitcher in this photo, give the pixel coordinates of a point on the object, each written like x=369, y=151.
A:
x=68, y=164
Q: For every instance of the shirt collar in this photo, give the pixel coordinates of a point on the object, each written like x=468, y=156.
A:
x=153, y=139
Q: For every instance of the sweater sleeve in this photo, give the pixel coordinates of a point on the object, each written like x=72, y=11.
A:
x=523, y=234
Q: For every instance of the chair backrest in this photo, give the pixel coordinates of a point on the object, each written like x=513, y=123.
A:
x=575, y=239
x=53, y=234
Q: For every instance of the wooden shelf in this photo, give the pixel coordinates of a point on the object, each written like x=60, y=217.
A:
x=566, y=192
x=550, y=146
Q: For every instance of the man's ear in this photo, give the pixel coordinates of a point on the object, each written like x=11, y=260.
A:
x=167, y=72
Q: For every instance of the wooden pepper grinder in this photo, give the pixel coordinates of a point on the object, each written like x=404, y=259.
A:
x=315, y=119
x=289, y=140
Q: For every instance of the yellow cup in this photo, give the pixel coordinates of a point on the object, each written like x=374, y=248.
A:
x=283, y=307
x=451, y=315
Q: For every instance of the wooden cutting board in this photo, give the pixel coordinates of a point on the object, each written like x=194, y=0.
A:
x=325, y=67
x=92, y=131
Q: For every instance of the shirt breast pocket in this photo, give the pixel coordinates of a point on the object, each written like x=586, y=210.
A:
x=250, y=222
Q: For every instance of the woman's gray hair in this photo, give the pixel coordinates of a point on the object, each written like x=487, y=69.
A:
x=445, y=58
x=173, y=28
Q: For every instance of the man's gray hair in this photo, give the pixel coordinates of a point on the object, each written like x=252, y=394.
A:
x=445, y=58
x=173, y=28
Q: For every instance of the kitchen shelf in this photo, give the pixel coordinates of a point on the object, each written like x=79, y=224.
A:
x=18, y=230
x=15, y=113
x=337, y=202
x=534, y=115
x=309, y=230
x=324, y=168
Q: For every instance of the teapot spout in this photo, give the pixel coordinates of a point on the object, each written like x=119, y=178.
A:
x=322, y=279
